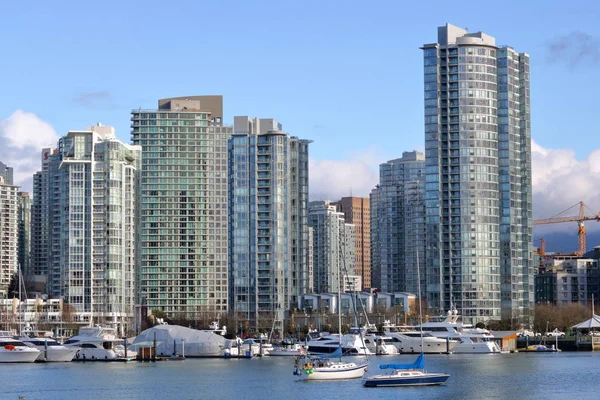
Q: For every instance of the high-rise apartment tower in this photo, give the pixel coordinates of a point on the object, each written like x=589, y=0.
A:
x=478, y=189
x=182, y=242
x=268, y=209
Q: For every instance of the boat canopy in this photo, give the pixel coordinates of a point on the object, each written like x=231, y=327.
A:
x=336, y=354
x=418, y=364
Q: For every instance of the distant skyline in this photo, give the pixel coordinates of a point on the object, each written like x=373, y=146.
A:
x=347, y=75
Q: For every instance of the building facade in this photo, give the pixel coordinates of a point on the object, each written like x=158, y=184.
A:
x=399, y=224
x=478, y=190
x=568, y=280
x=40, y=220
x=24, y=221
x=333, y=247
x=183, y=238
x=268, y=231
x=357, y=211
x=9, y=231
x=6, y=173
x=92, y=182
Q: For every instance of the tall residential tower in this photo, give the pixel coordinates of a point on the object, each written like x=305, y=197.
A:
x=398, y=223
x=9, y=228
x=268, y=209
x=478, y=190
x=357, y=211
x=182, y=240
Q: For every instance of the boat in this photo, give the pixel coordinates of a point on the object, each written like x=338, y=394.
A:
x=50, y=349
x=15, y=351
x=315, y=368
x=469, y=339
x=539, y=348
x=327, y=343
x=293, y=350
x=98, y=344
x=377, y=342
x=408, y=340
x=408, y=374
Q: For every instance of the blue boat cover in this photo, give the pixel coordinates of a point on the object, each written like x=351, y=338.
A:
x=336, y=354
x=418, y=364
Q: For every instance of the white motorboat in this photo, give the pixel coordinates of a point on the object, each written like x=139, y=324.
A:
x=98, y=344
x=293, y=350
x=352, y=345
x=377, y=342
x=15, y=351
x=408, y=340
x=50, y=349
x=469, y=339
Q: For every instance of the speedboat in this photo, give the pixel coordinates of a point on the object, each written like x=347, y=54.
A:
x=50, y=349
x=408, y=340
x=405, y=375
x=15, y=351
x=98, y=344
x=469, y=339
x=314, y=368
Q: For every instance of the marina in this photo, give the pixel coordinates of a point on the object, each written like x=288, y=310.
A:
x=473, y=376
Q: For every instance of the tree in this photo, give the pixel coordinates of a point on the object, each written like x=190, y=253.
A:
x=13, y=287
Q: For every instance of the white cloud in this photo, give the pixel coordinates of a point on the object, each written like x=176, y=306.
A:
x=560, y=181
x=22, y=137
x=357, y=174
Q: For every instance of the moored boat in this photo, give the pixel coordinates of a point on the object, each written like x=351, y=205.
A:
x=15, y=351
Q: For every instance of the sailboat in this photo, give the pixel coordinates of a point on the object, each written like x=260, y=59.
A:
x=408, y=374
x=324, y=367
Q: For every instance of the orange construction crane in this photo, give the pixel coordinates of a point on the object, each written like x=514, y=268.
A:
x=542, y=248
x=580, y=222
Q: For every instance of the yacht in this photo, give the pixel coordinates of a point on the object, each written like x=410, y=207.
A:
x=469, y=339
x=407, y=340
x=326, y=343
x=377, y=342
x=50, y=349
x=98, y=344
x=15, y=351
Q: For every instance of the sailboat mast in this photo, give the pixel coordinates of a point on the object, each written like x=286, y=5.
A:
x=420, y=303
x=339, y=307
x=20, y=281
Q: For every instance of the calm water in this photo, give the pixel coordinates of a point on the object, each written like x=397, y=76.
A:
x=505, y=376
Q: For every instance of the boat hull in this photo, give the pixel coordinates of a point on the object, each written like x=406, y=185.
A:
x=25, y=355
x=476, y=348
x=56, y=354
x=387, y=380
x=350, y=371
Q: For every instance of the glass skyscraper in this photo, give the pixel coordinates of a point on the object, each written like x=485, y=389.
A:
x=8, y=233
x=91, y=219
x=268, y=199
x=398, y=224
x=478, y=177
x=182, y=242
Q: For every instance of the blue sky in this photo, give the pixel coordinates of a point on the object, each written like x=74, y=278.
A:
x=346, y=74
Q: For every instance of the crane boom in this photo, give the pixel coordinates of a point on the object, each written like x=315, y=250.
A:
x=580, y=219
